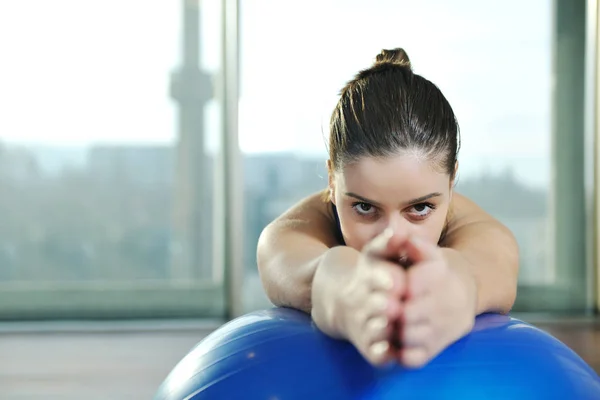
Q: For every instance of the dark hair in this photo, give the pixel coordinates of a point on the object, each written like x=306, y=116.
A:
x=388, y=108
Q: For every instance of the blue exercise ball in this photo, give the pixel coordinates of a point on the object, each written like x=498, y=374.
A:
x=279, y=354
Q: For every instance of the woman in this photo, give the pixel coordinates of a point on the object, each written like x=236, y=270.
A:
x=393, y=260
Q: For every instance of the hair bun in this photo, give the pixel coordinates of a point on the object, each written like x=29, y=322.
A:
x=396, y=57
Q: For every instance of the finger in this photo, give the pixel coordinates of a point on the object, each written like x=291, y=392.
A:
x=386, y=245
x=374, y=344
x=377, y=329
x=422, y=278
x=418, y=250
x=379, y=353
x=376, y=304
x=414, y=357
x=381, y=304
x=394, y=309
x=382, y=307
x=387, y=277
x=416, y=335
x=417, y=310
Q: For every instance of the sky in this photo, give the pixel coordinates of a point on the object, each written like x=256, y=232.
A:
x=74, y=73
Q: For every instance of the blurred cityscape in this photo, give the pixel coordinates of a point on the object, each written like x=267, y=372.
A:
x=131, y=197
x=107, y=212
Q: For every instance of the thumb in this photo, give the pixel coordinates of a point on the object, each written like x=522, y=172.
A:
x=418, y=250
x=386, y=245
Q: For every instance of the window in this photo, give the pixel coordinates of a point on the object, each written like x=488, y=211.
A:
x=519, y=106
x=108, y=139
x=112, y=131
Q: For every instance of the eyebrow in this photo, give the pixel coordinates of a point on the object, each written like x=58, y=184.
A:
x=410, y=202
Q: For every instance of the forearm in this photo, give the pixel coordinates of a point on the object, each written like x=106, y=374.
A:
x=334, y=270
x=287, y=258
x=291, y=248
x=489, y=253
x=289, y=285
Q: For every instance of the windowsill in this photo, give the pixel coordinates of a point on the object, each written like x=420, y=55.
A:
x=111, y=326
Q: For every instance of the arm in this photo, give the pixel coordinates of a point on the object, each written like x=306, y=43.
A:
x=291, y=248
x=477, y=242
x=302, y=266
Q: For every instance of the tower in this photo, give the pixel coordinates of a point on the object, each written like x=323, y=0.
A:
x=191, y=88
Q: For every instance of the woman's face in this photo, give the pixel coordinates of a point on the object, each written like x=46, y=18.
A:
x=403, y=192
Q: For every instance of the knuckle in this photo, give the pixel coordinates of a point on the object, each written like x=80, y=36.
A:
x=377, y=303
x=376, y=327
x=381, y=279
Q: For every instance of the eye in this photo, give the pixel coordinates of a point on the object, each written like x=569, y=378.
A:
x=362, y=208
x=422, y=210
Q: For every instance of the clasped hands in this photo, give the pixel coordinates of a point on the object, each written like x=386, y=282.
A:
x=406, y=315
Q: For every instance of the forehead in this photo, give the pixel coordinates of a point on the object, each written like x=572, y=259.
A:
x=404, y=176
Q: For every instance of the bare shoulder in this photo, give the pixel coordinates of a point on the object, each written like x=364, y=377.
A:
x=309, y=207
x=465, y=215
x=311, y=217
x=465, y=210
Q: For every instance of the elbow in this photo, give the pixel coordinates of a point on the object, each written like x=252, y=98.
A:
x=268, y=286
x=508, y=292
x=509, y=268
x=500, y=301
x=513, y=274
x=264, y=263
x=281, y=288
x=503, y=284
x=269, y=283
x=285, y=290
x=265, y=272
x=508, y=299
x=299, y=299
